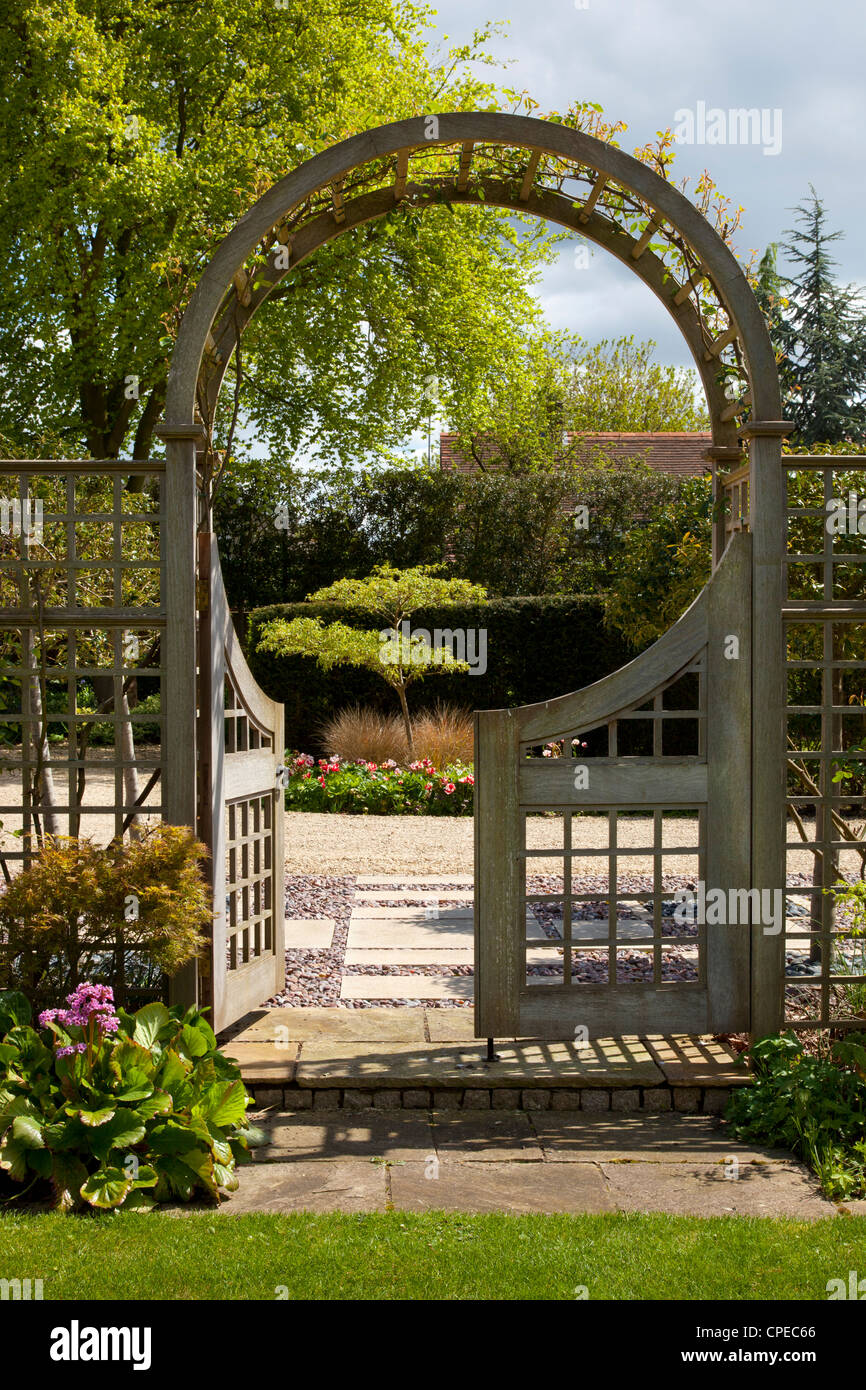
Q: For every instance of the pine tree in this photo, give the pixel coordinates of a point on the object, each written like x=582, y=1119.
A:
x=820, y=333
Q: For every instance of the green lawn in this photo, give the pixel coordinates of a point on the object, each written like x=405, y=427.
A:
x=431, y=1256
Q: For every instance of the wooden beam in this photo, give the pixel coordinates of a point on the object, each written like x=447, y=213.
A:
x=465, y=163
x=583, y=215
x=529, y=176
x=402, y=175
x=640, y=246
x=337, y=201
x=718, y=347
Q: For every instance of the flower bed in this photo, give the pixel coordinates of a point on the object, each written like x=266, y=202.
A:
x=377, y=789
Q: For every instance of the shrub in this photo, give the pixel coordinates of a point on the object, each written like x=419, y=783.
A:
x=378, y=789
x=815, y=1106
x=537, y=648
x=443, y=735
x=114, y=1110
x=86, y=912
x=362, y=734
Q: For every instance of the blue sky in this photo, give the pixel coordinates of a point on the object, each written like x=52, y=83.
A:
x=645, y=60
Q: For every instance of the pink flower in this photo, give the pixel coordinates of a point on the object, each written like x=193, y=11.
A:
x=449, y=788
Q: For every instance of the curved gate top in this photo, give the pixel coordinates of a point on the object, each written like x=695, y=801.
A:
x=618, y=202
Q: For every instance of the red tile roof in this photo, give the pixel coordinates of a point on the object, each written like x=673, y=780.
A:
x=670, y=451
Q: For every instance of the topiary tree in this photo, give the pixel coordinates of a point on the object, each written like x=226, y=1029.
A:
x=394, y=653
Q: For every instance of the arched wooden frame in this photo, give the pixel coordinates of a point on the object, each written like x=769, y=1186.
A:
x=621, y=205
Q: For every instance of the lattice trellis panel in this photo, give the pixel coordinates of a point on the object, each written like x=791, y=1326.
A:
x=826, y=661
x=81, y=619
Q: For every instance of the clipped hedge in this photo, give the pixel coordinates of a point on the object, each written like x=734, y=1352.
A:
x=536, y=648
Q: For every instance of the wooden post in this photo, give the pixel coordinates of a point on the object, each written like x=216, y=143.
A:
x=499, y=875
x=179, y=769
x=769, y=701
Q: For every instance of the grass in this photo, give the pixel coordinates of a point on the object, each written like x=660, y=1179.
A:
x=400, y=1255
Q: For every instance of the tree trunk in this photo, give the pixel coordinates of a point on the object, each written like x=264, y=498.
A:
x=407, y=723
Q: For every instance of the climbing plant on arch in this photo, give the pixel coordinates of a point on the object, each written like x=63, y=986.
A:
x=577, y=181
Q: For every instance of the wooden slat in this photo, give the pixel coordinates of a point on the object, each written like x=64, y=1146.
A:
x=337, y=202
x=736, y=408
x=724, y=340
x=598, y=187
x=612, y=782
x=552, y=1011
x=685, y=290
x=401, y=176
x=641, y=245
x=529, y=176
x=465, y=165
x=96, y=466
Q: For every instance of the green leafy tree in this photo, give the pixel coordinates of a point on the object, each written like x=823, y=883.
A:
x=819, y=327
x=397, y=655
x=664, y=566
x=523, y=418
x=132, y=137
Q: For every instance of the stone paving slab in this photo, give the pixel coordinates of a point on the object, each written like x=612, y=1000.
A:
x=422, y=881
x=299, y=1186
x=369, y=1134
x=406, y=987
x=264, y=1061
x=335, y=1025
x=504, y=1186
x=576, y=1137
x=687, y=1060
x=521, y=1062
x=411, y=955
x=309, y=933
x=389, y=934
x=687, y=1189
x=451, y=1025
x=485, y=1136
x=421, y=895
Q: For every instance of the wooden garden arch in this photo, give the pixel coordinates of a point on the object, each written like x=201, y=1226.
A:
x=570, y=178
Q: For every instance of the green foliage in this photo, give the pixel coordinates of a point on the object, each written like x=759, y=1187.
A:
x=536, y=648
x=64, y=918
x=152, y=1114
x=559, y=382
x=815, y=1106
x=391, y=596
x=664, y=566
x=132, y=141
x=383, y=789
x=512, y=533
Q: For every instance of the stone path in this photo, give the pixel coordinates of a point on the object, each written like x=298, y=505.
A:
x=520, y=1162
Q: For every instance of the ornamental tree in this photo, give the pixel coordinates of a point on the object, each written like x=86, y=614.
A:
x=396, y=654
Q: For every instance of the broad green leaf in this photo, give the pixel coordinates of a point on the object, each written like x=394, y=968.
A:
x=92, y=1118
x=27, y=1131
x=148, y=1022
x=106, y=1188
x=226, y=1105
x=13, y=1157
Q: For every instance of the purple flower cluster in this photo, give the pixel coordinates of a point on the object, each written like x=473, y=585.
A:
x=90, y=1007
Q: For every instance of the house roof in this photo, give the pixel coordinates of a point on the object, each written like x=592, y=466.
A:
x=670, y=451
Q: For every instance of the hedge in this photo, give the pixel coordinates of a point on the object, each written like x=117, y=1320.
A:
x=536, y=648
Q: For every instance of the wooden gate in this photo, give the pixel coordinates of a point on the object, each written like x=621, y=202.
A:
x=550, y=960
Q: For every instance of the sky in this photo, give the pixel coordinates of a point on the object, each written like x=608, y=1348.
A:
x=645, y=61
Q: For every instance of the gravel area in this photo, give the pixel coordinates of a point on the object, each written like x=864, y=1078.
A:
x=320, y=843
